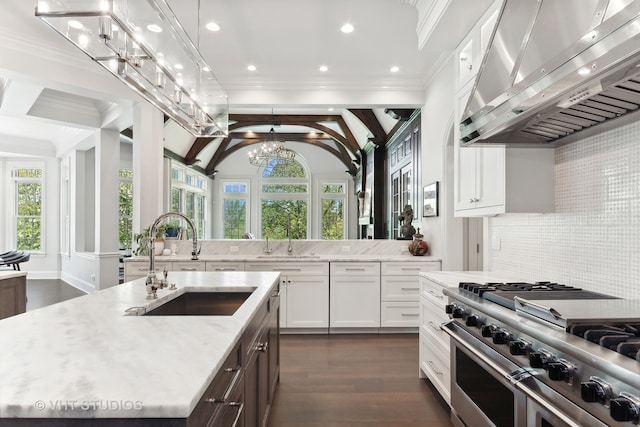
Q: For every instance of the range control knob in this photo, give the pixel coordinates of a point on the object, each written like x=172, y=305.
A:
x=625, y=408
x=540, y=359
x=501, y=336
x=518, y=347
x=595, y=390
x=449, y=308
x=472, y=320
x=458, y=313
x=561, y=371
x=487, y=330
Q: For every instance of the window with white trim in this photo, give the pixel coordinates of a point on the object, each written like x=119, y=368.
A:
x=28, y=206
x=333, y=204
x=235, y=202
x=189, y=196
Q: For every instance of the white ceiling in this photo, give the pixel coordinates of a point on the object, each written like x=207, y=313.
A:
x=286, y=40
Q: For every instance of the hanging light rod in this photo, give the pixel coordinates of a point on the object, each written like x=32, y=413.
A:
x=143, y=44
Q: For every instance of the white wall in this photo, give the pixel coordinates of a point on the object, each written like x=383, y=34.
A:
x=442, y=233
x=593, y=238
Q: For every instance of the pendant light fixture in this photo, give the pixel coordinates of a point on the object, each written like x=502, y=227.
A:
x=142, y=43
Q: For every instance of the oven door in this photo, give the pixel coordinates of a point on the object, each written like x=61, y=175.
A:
x=488, y=389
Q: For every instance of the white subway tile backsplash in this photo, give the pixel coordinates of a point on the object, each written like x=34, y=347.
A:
x=593, y=238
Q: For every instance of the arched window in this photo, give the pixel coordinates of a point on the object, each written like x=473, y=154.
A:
x=284, y=200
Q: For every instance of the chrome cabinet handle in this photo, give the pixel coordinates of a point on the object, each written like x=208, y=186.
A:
x=436, y=295
x=474, y=200
x=410, y=314
x=227, y=393
x=240, y=406
x=434, y=326
x=409, y=289
x=433, y=368
x=262, y=346
x=355, y=269
x=188, y=269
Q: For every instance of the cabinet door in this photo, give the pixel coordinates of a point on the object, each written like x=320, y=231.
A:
x=306, y=301
x=355, y=301
x=490, y=170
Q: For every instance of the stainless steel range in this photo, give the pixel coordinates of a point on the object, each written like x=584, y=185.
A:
x=542, y=354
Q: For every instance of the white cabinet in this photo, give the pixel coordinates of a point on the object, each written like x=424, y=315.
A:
x=304, y=292
x=434, y=350
x=399, y=292
x=224, y=266
x=137, y=269
x=188, y=266
x=491, y=180
x=354, y=295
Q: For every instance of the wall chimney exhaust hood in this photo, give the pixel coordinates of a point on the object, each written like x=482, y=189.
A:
x=553, y=68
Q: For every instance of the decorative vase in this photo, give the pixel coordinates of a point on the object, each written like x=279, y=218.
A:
x=418, y=247
x=158, y=246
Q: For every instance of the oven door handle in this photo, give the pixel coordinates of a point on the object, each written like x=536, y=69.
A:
x=515, y=377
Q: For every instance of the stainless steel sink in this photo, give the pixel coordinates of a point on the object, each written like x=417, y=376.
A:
x=219, y=303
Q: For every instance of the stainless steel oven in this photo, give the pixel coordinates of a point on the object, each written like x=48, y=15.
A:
x=488, y=389
x=544, y=360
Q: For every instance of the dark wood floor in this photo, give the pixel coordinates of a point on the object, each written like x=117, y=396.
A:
x=41, y=293
x=354, y=380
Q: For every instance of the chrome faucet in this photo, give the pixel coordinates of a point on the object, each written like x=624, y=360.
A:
x=290, y=247
x=151, y=276
x=267, y=250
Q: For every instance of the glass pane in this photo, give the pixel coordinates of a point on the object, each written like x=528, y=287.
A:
x=126, y=173
x=29, y=173
x=126, y=199
x=279, y=170
x=275, y=216
x=200, y=219
x=235, y=187
x=333, y=188
x=332, y=219
x=235, y=218
x=28, y=233
x=29, y=199
x=284, y=188
x=175, y=174
x=190, y=205
x=176, y=200
x=190, y=179
x=125, y=225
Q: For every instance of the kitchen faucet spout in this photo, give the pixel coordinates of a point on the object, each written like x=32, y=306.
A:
x=290, y=247
x=151, y=276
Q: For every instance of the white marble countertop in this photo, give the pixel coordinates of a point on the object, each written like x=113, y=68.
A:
x=289, y=258
x=11, y=274
x=84, y=358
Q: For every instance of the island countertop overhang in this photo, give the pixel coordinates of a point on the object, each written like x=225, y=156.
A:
x=85, y=358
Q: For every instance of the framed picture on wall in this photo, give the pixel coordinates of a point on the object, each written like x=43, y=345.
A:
x=430, y=200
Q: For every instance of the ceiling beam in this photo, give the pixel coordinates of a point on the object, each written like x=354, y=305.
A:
x=369, y=119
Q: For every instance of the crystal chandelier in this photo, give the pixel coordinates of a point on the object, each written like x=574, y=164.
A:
x=142, y=43
x=271, y=151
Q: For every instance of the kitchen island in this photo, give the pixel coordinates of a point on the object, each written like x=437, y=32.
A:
x=98, y=357
x=13, y=293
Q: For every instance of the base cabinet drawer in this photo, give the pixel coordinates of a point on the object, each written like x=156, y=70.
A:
x=400, y=314
x=436, y=366
x=189, y=266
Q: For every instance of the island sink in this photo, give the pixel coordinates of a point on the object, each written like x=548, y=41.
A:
x=218, y=303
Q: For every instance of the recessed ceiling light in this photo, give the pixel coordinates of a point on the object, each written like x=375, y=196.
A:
x=205, y=69
x=394, y=69
x=324, y=68
x=330, y=109
x=347, y=28
x=154, y=28
x=75, y=24
x=212, y=26
x=584, y=71
x=251, y=67
x=178, y=66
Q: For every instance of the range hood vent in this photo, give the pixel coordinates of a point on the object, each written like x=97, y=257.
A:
x=553, y=68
